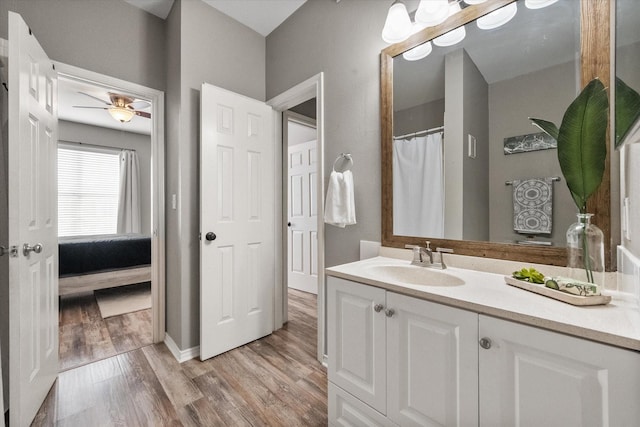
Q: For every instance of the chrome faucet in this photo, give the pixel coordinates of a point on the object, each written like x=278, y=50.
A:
x=423, y=256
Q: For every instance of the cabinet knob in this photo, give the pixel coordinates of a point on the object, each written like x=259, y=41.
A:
x=389, y=312
x=485, y=343
x=378, y=308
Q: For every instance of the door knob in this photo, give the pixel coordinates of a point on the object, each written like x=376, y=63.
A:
x=288, y=224
x=26, y=249
x=378, y=308
x=210, y=236
x=485, y=343
x=389, y=312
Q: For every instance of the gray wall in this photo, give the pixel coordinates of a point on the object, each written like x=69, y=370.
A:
x=453, y=149
x=544, y=94
x=108, y=37
x=466, y=179
x=76, y=132
x=420, y=117
x=475, y=221
x=218, y=50
x=342, y=40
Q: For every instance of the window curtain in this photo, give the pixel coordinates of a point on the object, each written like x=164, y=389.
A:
x=418, y=186
x=129, y=194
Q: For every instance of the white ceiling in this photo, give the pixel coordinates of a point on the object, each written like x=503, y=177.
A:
x=262, y=16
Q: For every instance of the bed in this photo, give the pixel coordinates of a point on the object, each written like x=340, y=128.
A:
x=100, y=262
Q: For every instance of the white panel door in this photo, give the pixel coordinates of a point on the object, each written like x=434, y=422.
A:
x=432, y=360
x=237, y=253
x=356, y=340
x=303, y=217
x=33, y=223
x=532, y=377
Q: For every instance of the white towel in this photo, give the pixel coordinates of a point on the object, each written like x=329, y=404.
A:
x=340, y=208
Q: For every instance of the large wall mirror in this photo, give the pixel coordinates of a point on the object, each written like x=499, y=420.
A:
x=459, y=154
x=627, y=63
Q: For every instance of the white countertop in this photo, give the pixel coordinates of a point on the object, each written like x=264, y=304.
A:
x=617, y=323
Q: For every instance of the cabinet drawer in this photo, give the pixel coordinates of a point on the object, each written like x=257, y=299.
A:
x=346, y=410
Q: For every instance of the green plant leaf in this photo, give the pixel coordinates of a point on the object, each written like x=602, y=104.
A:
x=582, y=147
x=627, y=110
x=548, y=127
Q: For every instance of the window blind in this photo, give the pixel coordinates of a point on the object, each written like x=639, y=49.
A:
x=88, y=182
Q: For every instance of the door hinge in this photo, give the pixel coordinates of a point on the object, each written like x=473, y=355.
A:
x=12, y=251
x=200, y=236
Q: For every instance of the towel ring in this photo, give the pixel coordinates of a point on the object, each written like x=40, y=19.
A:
x=347, y=157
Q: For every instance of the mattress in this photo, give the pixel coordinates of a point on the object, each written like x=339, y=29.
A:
x=85, y=255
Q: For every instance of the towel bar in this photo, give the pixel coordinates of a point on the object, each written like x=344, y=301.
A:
x=554, y=178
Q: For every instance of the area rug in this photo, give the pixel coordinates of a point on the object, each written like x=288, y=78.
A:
x=123, y=299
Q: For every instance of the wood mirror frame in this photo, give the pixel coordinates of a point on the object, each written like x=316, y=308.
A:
x=594, y=62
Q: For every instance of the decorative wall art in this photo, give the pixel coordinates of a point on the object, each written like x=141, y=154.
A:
x=530, y=142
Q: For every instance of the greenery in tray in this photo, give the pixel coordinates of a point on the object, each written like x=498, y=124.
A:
x=529, y=275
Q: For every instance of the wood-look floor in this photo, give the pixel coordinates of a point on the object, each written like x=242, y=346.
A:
x=274, y=381
x=86, y=337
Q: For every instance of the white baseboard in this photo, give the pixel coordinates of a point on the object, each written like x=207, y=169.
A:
x=181, y=355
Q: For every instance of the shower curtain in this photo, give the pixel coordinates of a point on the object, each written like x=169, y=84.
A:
x=418, y=186
x=129, y=195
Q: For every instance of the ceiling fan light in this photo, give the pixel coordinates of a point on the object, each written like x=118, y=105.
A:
x=498, y=17
x=432, y=12
x=121, y=114
x=418, y=52
x=538, y=4
x=397, y=26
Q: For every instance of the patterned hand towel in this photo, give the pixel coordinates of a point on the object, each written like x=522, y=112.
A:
x=532, y=205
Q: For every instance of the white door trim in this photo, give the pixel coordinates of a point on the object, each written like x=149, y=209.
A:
x=157, y=180
x=309, y=89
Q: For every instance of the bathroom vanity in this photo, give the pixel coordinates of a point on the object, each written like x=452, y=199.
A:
x=413, y=346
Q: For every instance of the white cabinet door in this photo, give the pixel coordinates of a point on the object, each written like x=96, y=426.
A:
x=432, y=361
x=356, y=340
x=532, y=377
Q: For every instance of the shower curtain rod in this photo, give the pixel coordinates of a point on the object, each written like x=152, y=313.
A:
x=422, y=132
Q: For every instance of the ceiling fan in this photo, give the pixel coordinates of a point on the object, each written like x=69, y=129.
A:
x=122, y=107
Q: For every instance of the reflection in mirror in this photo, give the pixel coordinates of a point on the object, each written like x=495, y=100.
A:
x=628, y=51
x=461, y=131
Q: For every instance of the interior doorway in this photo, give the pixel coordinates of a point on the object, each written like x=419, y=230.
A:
x=300, y=142
x=111, y=266
x=312, y=88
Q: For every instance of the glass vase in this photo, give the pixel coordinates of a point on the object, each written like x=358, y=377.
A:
x=585, y=246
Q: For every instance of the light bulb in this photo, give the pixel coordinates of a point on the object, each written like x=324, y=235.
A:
x=432, y=12
x=498, y=17
x=538, y=4
x=397, y=27
x=418, y=52
x=453, y=36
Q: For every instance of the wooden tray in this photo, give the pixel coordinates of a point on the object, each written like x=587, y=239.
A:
x=559, y=295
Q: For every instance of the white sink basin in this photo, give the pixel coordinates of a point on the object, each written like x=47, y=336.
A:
x=413, y=275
